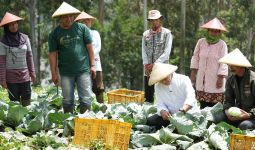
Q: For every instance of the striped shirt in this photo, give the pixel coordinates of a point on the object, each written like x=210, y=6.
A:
x=205, y=59
x=16, y=69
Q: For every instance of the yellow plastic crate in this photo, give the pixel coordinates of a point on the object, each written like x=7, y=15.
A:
x=125, y=96
x=111, y=132
x=242, y=142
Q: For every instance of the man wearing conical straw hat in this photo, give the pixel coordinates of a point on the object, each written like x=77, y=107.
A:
x=71, y=53
x=240, y=91
x=174, y=92
x=207, y=74
x=97, y=82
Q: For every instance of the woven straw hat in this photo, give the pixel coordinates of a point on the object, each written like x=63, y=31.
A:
x=214, y=24
x=154, y=14
x=65, y=9
x=8, y=18
x=235, y=58
x=161, y=71
x=84, y=15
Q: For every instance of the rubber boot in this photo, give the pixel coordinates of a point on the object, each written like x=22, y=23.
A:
x=25, y=103
x=84, y=108
x=68, y=110
x=100, y=97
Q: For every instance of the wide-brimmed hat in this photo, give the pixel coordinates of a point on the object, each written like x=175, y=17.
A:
x=83, y=16
x=65, y=9
x=214, y=24
x=154, y=14
x=235, y=58
x=8, y=18
x=160, y=71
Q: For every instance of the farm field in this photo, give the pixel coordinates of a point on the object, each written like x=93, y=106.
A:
x=43, y=125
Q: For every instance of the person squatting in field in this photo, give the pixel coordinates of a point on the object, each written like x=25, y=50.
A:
x=174, y=92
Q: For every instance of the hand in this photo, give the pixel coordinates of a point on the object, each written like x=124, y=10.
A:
x=219, y=82
x=193, y=76
x=33, y=78
x=54, y=78
x=148, y=69
x=4, y=85
x=244, y=115
x=165, y=114
x=93, y=72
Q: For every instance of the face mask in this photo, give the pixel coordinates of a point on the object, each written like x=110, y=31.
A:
x=212, y=39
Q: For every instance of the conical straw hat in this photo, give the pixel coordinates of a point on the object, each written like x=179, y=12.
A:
x=8, y=18
x=161, y=71
x=84, y=15
x=65, y=9
x=214, y=24
x=235, y=58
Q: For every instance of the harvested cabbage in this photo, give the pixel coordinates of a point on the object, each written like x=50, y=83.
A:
x=234, y=111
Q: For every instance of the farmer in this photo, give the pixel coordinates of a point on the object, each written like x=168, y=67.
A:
x=156, y=48
x=174, y=92
x=71, y=53
x=240, y=90
x=207, y=74
x=98, y=86
x=16, y=61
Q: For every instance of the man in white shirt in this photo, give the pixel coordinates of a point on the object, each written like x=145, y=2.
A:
x=174, y=92
x=97, y=82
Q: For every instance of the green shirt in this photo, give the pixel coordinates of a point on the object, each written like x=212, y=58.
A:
x=71, y=44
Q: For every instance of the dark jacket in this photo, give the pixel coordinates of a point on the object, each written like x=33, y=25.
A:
x=242, y=96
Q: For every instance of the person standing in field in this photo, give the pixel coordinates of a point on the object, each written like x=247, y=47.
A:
x=207, y=74
x=156, y=48
x=16, y=61
x=98, y=85
x=71, y=53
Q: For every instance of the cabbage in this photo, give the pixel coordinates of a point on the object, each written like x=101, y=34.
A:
x=234, y=111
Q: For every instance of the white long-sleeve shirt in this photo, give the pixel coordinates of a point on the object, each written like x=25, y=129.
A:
x=174, y=96
x=96, y=43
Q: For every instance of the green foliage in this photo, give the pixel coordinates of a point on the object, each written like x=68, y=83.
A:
x=42, y=141
x=14, y=114
x=9, y=144
x=3, y=95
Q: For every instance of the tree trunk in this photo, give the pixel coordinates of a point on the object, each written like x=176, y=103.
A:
x=101, y=11
x=32, y=8
x=249, y=38
x=183, y=46
x=221, y=5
